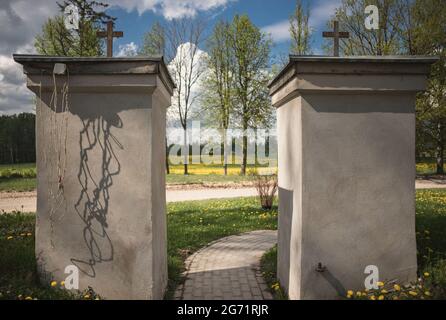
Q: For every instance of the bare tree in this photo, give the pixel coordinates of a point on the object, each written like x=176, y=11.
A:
x=183, y=38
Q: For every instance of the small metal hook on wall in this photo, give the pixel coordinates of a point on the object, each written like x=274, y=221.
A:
x=320, y=267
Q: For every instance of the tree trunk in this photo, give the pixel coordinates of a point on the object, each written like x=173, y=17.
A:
x=256, y=159
x=225, y=153
x=440, y=149
x=185, y=152
x=245, y=154
x=167, y=159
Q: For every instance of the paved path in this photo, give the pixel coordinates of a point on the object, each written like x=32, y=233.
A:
x=228, y=269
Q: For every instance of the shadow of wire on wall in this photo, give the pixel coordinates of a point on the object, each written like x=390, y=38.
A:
x=96, y=179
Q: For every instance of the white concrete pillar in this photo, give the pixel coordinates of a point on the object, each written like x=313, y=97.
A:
x=346, y=138
x=101, y=171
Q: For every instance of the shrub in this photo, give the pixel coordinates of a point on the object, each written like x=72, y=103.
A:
x=266, y=186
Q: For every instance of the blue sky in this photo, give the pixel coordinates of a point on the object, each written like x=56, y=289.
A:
x=271, y=16
x=19, y=26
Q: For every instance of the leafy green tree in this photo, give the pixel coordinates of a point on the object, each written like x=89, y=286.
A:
x=57, y=40
x=428, y=37
x=218, y=85
x=251, y=49
x=154, y=42
x=300, y=30
x=384, y=41
x=17, y=138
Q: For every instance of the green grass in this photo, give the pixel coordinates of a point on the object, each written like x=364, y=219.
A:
x=18, y=184
x=21, y=177
x=25, y=170
x=205, y=179
x=190, y=226
x=268, y=265
x=18, y=177
x=427, y=167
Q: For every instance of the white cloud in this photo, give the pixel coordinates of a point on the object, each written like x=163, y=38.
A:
x=322, y=12
x=170, y=9
x=319, y=15
x=20, y=21
x=183, y=71
x=128, y=50
x=279, y=31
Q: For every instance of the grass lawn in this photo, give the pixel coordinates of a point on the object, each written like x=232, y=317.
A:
x=17, y=184
x=431, y=247
x=191, y=225
x=22, y=177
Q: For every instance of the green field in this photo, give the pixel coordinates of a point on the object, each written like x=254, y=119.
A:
x=21, y=177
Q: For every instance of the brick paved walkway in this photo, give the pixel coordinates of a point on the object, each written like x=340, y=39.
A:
x=228, y=269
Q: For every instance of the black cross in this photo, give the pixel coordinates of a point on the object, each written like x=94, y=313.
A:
x=110, y=34
x=336, y=35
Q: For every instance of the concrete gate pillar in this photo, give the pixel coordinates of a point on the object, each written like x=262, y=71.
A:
x=101, y=171
x=346, y=141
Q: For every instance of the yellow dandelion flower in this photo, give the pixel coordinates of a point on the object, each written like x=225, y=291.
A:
x=426, y=274
x=413, y=293
x=381, y=297
x=62, y=283
x=350, y=292
x=396, y=287
x=9, y=238
x=359, y=293
x=87, y=296
x=28, y=298
x=54, y=283
x=384, y=291
x=380, y=284
x=29, y=234
x=427, y=293
x=372, y=298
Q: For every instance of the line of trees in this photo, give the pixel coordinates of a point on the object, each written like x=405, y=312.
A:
x=17, y=138
x=229, y=80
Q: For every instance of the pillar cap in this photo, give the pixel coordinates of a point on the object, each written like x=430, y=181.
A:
x=44, y=65
x=351, y=74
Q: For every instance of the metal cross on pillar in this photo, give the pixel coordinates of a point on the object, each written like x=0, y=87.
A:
x=110, y=34
x=336, y=35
